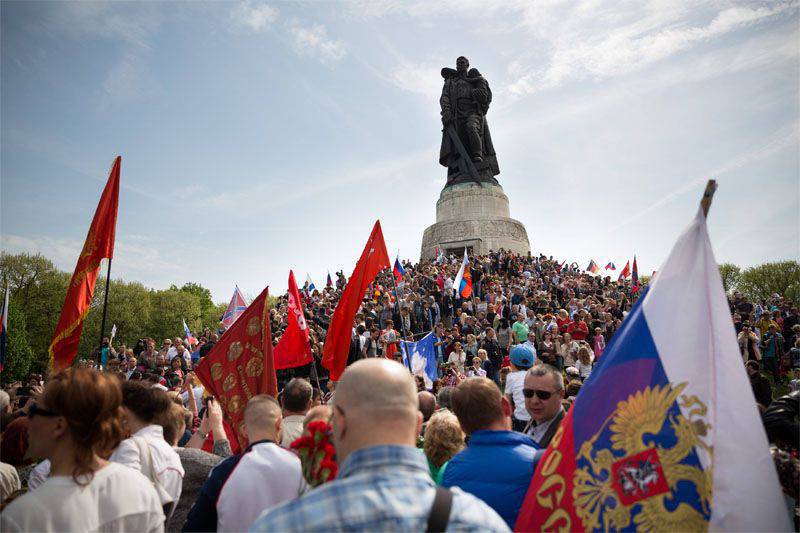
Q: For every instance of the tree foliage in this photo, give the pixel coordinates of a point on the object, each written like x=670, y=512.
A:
x=762, y=281
x=19, y=356
x=37, y=295
x=730, y=276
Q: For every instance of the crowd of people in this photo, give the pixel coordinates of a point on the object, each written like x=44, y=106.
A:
x=130, y=440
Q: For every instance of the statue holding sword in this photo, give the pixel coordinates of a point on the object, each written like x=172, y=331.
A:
x=467, y=150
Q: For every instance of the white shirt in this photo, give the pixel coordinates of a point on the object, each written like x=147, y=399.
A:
x=198, y=398
x=458, y=359
x=292, y=429
x=116, y=499
x=166, y=461
x=264, y=477
x=514, y=386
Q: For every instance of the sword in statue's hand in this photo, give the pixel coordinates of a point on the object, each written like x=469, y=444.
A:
x=451, y=131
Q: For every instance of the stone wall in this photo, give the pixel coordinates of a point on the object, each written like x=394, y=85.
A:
x=476, y=216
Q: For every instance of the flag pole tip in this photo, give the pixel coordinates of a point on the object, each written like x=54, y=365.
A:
x=708, y=195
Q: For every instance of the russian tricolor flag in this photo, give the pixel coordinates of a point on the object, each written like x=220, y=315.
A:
x=398, y=270
x=310, y=287
x=665, y=434
x=463, y=282
x=191, y=340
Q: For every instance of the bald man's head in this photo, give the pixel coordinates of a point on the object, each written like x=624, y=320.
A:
x=377, y=387
x=262, y=418
x=376, y=404
x=427, y=404
x=318, y=412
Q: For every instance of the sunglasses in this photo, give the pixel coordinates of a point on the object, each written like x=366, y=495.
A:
x=35, y=410
x=542, y=394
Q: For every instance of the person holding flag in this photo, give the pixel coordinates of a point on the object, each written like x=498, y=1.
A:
x=655, y=438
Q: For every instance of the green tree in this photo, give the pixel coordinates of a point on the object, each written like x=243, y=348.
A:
x=128, y=308
x=730, y=276
x=19, y=356
x=167, y=309
x=23, y=271
x=207, y=306
x=762, y=281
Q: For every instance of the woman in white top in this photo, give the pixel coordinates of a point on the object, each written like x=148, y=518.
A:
x=458, y=356
x=74, y=424
x=146, y=450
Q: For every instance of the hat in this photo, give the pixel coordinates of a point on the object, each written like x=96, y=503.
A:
x=522, y=356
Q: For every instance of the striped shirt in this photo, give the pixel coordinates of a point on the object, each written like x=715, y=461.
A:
x=381, y=488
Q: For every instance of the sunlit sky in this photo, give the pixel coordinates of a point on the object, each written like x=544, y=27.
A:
x=258, y=137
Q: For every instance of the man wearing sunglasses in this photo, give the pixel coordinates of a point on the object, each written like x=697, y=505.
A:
x=543, y=390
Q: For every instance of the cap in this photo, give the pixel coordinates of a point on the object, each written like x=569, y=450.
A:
x=522, y=356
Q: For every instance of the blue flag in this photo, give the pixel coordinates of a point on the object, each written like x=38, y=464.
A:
x=423, y=358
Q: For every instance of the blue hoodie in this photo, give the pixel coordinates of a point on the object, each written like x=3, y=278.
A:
x=497, y=467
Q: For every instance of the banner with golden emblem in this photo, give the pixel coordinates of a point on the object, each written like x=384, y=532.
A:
x=99, y=245
x=241, y=364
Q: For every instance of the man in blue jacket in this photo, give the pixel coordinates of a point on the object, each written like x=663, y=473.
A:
x=498, y=464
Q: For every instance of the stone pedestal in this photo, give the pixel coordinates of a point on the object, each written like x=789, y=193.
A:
x=475, y=216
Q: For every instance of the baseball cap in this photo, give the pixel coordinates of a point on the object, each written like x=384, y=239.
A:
x=522, y=356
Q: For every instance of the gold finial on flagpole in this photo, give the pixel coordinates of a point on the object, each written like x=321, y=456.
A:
x=708, y=195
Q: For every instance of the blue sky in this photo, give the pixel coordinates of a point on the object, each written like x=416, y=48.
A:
x=258, y=137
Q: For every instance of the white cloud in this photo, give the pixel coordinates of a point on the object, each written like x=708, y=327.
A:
x=128, y=79
x=254, y=15
x=313, y=41
x=779, y=140
x=583, y=51
x=420, y=78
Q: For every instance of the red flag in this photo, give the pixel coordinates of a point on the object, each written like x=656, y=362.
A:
x=635, y=277
x=99, y=245
x=241, y=364
x=625, y=271
x=373, y=259
x=293, y=349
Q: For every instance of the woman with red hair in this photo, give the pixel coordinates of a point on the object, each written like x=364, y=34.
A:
x=75, y=424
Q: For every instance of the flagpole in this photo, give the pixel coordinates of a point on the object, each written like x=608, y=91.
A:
x=403, y=347
x=708, y=195
x=105, y=303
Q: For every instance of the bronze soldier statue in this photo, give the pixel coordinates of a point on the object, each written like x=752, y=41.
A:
x=467, y=150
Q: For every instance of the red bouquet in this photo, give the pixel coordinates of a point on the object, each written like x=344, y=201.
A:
x=317, y=455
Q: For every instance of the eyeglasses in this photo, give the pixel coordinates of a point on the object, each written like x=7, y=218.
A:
x=542, y=394
x=35, y=410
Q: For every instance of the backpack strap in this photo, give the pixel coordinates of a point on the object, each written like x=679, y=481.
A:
x=440, y=510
